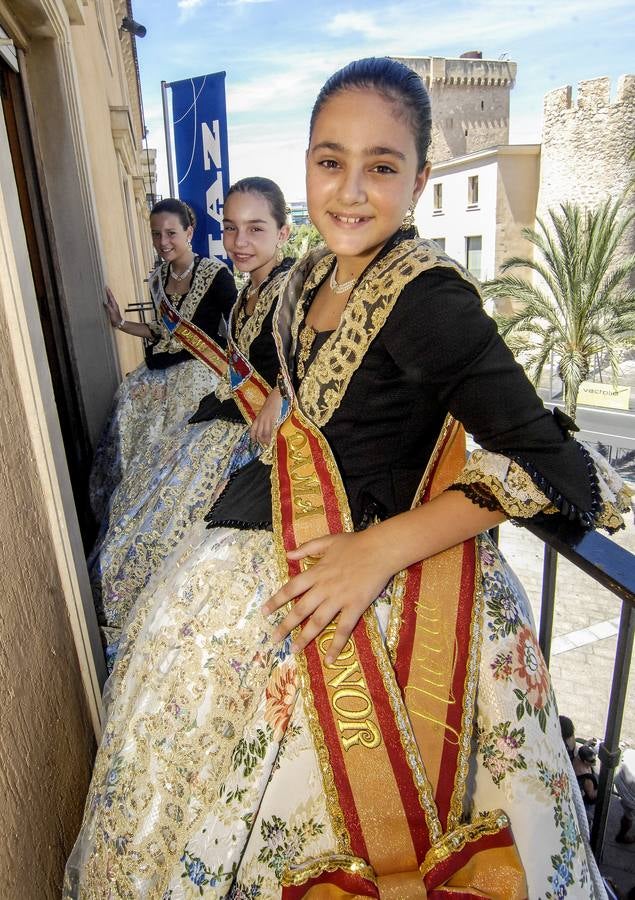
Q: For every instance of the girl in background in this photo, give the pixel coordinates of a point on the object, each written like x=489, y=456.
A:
x=164, y=389
x=171, y=486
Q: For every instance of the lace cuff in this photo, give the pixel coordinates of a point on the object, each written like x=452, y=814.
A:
x=513, y=486
x=616, y=497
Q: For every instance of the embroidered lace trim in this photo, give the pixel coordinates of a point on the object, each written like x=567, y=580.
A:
x=494, y=481
x=206, y=272
x=367, y=310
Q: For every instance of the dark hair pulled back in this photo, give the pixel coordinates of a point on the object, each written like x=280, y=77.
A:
x=267, y=189
x=178, y=208
x=396, y=82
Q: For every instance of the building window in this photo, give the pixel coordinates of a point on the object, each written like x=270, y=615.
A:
x=473, y=252
x=440, y=242
x=438, y=197
x=472, y=190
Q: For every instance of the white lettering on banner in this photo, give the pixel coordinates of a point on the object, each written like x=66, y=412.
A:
x=214, y=196
x=211, y=144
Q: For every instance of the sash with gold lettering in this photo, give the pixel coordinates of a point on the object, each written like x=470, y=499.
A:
x=392, y=720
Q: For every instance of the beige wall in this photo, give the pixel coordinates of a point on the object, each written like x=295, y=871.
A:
x=88, y=140
x=85, y=125
x=113, y=135
x=49, y=712
x=46, y=735
x=516, y=196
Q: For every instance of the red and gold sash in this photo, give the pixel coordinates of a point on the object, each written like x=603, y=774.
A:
x=380, y=710
x=248, y=389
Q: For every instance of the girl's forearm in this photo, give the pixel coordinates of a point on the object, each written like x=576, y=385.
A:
x=136, y=329
x=449, y=519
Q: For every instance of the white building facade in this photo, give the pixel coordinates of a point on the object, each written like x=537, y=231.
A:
x=475, y=206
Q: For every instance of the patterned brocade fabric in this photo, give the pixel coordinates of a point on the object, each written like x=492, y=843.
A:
x=494, y=481
x=207, y=781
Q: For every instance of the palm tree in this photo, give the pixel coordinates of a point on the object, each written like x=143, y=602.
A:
x=581, y=304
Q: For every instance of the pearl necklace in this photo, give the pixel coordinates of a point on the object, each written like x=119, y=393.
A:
x=182, y=275
x=343, y=288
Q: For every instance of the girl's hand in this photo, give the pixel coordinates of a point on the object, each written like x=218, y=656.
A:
x=265, y=422
x=114, y=313
x=350, y=572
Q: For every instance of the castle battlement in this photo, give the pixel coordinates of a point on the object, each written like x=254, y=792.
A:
x=470, y=101
x=592, y=94
x=462, y=71
x=587, y=143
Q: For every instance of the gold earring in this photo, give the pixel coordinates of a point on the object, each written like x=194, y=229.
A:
x=279, y=254
x=409, y=218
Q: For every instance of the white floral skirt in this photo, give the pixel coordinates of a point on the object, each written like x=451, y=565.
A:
x=163, y=492
x=148, y=404
x=207, y=784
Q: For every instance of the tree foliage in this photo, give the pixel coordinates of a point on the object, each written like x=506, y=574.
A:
x=579, y=303
x=302, y=239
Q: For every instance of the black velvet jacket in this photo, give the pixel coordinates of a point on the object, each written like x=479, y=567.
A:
x=215, y=305
x=438, y=352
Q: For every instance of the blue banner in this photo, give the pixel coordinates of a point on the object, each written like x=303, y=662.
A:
x=199, y=124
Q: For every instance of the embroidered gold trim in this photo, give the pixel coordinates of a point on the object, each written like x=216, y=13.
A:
x=469, y=697
x=336, y=815
x=332, y=800
x=412, y=752
x=502, y=479
x=393, y=628
x=268, y=294
x=223, y=390
x=610, y=516
x=298, y=875
x=338, y=823
x=366, y=311
x=245, y=330
x=454, y=841
x=306, y=339
x=205, y=274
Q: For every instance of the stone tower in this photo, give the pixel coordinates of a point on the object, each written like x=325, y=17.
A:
x=470, y=102
x=587, y=148
x=587, y=144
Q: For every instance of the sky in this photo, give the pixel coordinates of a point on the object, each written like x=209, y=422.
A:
x=278, y=53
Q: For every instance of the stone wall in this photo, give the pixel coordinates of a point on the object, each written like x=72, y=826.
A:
x=587, y=148
x=586, y=144
x=470, y=103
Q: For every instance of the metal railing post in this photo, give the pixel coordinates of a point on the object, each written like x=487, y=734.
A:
x=609, y=752
x=547, y=604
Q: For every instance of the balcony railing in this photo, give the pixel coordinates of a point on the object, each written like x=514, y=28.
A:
x=614, y=568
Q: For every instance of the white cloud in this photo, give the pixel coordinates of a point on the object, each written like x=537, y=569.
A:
x=279, y=156
x=404, y=30
x=188, y=8
x=355, y=22
x=294, y=88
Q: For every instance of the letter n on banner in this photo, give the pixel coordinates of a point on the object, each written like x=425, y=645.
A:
x=199, y=125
